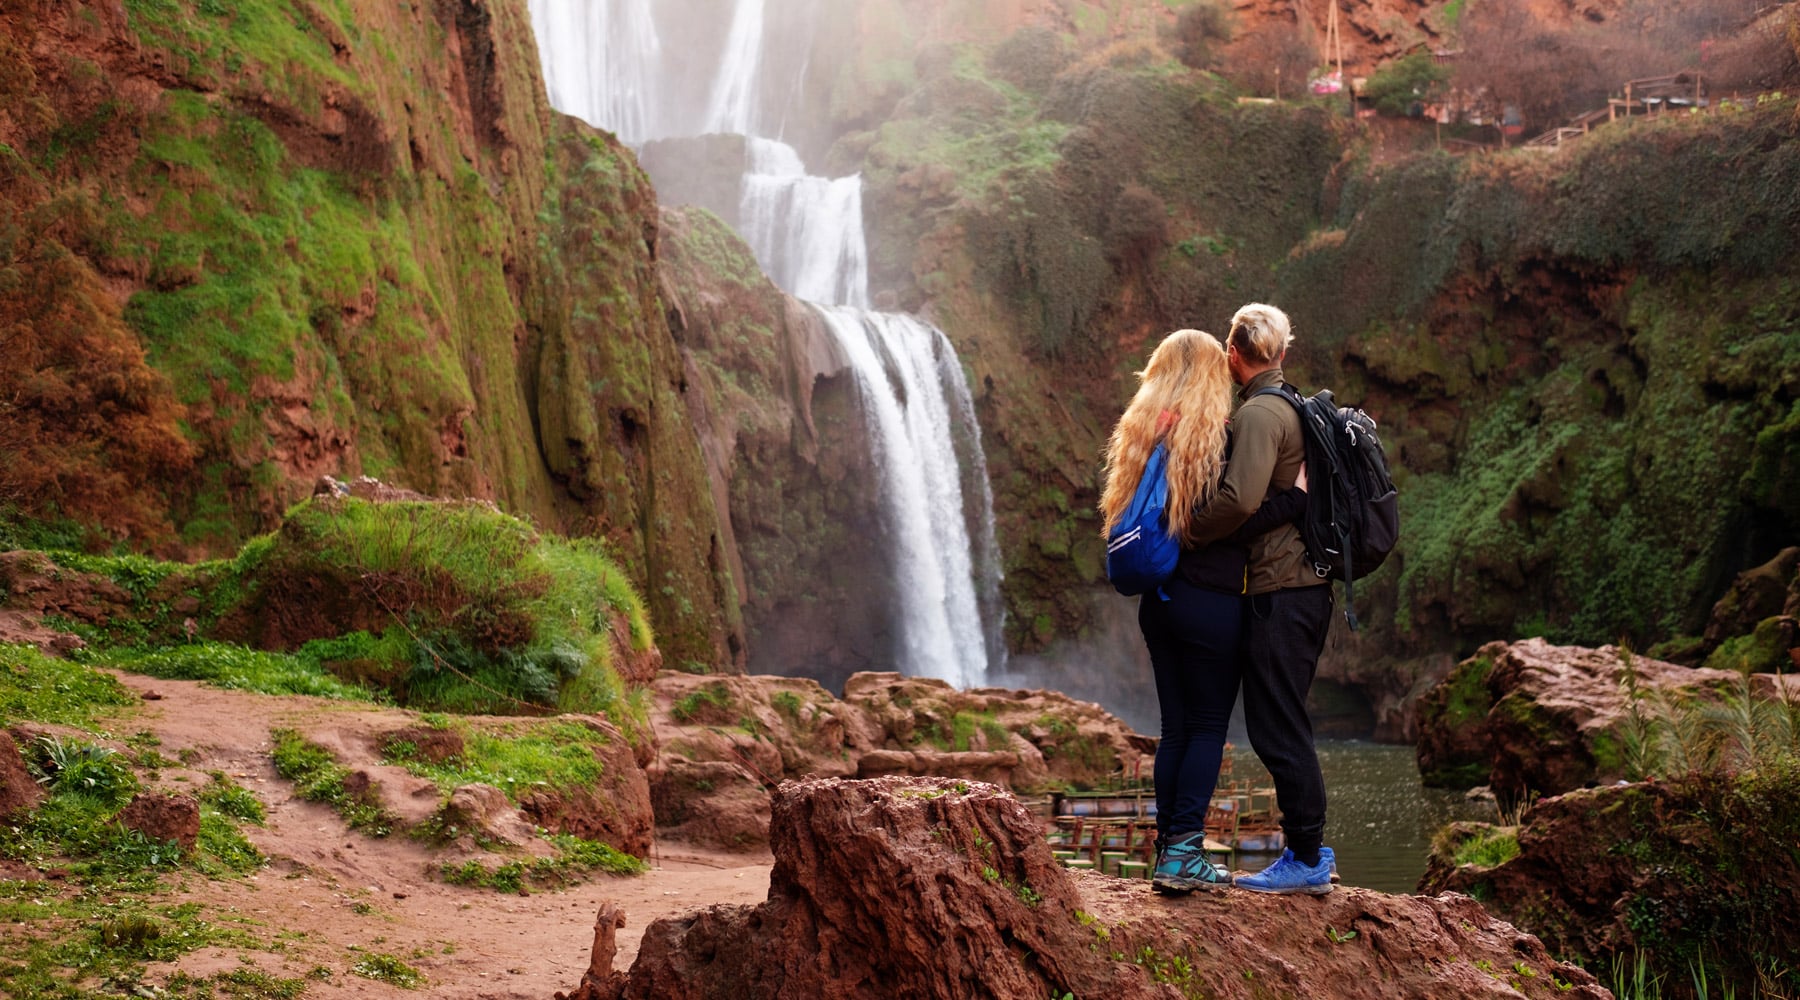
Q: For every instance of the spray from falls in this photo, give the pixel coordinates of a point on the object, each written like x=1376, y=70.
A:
x=605, y=63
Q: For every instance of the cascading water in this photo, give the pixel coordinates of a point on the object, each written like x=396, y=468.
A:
x=806, y=231
x=605, y=63
x=619, y=34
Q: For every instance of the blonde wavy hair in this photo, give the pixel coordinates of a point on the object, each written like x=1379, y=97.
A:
x=1184, y=396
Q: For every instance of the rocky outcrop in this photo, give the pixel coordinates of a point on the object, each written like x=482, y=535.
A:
x=1756, y=625
x=1658, y=869
x=475, y=817
x=19, y=793
x=937, y=888
x=1531, y=717
x=727, y=742
x=163, y=817
x=787, y=456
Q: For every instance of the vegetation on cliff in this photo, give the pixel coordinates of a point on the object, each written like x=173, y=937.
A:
x=1584, y=363
x=258, y=244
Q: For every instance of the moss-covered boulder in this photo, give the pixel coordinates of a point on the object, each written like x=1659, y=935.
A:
x=1697, y=873
x=1530, y=718
x=439, y=604
x=446, y=604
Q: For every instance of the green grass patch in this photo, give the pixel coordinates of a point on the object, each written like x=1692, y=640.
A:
x=318, y=777
x=1492, y=846
x=555, y=755
x=247, y=984
x=69, y=942
x=958, y=732
x=239, y=668
x=98, y=922
x=138, y=575
x=787, y=703
x=575, y=857
x=390, y=970
x=46, y=689
x=710, y=705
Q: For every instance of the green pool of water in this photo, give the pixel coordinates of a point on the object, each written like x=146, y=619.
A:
x=1379, y=818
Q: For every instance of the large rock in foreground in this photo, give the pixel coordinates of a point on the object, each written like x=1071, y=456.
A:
x=1666, y=870
x=1532, y=717
x=934, y=888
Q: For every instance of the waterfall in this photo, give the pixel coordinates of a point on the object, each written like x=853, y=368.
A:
x=604, y=63
x=807, y=232
x=607, y=56
x=913, y=430
x=733, y=102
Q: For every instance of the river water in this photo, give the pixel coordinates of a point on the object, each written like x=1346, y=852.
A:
x=1379, y=818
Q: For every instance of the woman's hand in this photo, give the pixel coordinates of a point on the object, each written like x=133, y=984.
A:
x=1300, y=480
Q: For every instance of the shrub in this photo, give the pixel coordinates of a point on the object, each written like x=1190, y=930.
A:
x=1403, y=85
x=1200, y=31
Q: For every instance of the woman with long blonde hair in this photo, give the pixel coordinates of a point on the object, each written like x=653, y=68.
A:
x=1192, y=623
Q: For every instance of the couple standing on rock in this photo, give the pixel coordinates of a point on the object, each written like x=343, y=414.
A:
x=1244, y=607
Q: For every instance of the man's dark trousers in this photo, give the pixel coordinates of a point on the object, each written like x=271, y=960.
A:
x=1284, y=634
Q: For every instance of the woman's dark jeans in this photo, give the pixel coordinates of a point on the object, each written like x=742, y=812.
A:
x=1193, y=639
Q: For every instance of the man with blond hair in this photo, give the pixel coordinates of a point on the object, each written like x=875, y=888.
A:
x=1289, y=606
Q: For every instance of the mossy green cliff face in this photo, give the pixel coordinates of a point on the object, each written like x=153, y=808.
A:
x=1587, y=366
x=347, y=239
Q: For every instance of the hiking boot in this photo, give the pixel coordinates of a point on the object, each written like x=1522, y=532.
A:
x=1182, y=866
x=1287, y=875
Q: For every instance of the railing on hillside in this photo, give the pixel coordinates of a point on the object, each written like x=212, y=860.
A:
x=1648, y=97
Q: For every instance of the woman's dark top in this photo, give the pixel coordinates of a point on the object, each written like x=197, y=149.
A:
x=1224, y=564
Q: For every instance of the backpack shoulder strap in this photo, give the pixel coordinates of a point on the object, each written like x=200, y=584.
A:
x=1284, y=390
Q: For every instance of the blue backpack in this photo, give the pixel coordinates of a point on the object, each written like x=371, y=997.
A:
x=1140, y=553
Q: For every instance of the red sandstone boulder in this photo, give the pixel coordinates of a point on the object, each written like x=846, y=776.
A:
x=736, y=737
x=1532, y=717
x=160, y=816
x=19, y=793
x=941, y=889
x=485, y=814
x=615, y=812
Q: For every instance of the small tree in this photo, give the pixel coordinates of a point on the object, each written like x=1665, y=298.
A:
x=1399, y=87
x=1200, y=31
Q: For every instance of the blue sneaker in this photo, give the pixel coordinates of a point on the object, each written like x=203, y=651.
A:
x=1287, y=875
x=1182, y=866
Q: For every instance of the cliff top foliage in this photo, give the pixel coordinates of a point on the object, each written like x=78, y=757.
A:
x=1616, y=325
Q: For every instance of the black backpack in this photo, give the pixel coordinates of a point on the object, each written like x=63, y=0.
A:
x=1353, y=512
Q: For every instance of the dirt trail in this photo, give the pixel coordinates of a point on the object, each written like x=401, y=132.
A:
x=329, y=890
